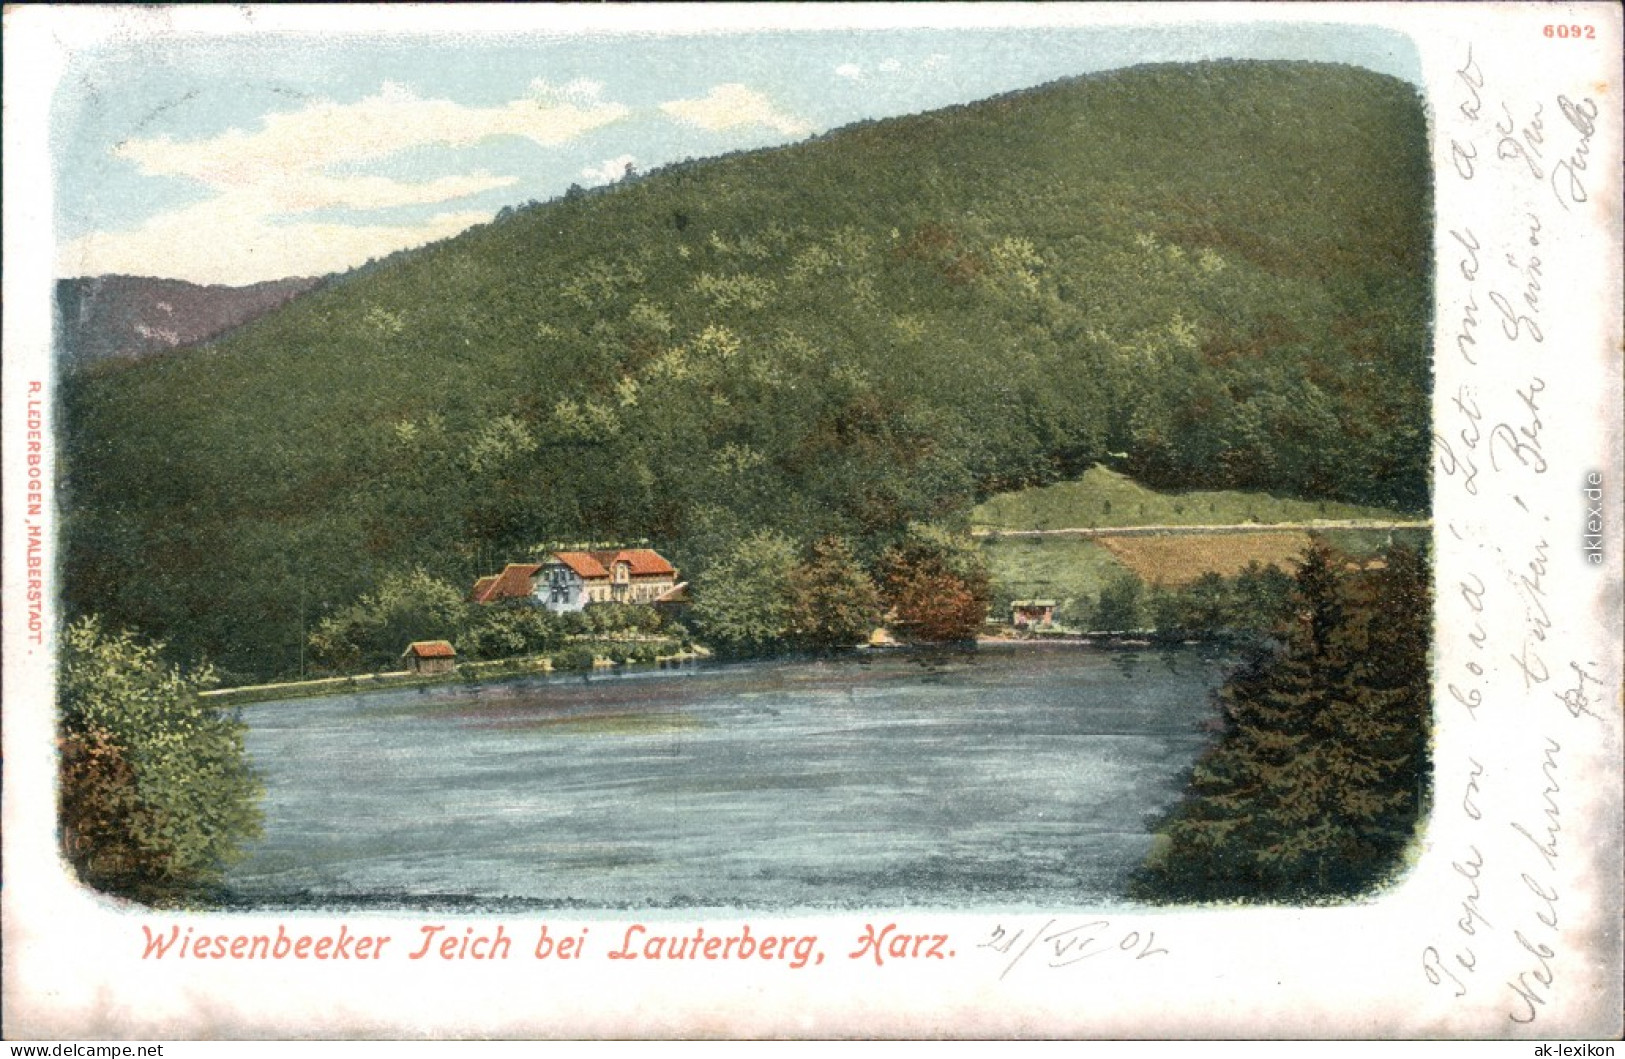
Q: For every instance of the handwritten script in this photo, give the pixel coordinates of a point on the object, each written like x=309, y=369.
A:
x=1060, y=943
x=1520, y=169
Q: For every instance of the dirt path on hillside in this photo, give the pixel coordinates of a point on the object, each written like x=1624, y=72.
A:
x=1238, y=527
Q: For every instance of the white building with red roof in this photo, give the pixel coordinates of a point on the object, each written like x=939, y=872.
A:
x=571, y=580
x=568, y=581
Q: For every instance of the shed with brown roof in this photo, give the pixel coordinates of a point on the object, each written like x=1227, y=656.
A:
x=428, y=657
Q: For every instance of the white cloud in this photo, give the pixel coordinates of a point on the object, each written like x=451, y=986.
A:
x=265, y=178
x=232, y=239
x=734, y=106
x=324, y=133
x=610, y=170
x=852, y=70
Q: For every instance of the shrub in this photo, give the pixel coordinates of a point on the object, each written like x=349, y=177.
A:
x=157, y=796
x=572, y=658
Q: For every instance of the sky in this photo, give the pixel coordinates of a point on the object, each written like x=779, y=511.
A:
x=247, y=158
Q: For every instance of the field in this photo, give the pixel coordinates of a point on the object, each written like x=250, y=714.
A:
x=1102, y=497
x=1171, y=561
x=1058, y=568
x=1074, y=569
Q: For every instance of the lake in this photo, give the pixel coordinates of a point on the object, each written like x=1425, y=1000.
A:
x=1004, y=776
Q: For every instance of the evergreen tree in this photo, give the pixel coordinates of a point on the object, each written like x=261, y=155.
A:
x=1258, y=597
x=1317, y=781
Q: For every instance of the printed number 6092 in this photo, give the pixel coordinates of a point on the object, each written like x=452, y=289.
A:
x=1588, y=32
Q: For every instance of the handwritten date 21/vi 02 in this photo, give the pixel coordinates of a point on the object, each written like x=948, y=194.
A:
x=1062, y=945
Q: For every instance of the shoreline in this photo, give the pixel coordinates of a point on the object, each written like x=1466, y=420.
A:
x=467, y=673
x=504, y=670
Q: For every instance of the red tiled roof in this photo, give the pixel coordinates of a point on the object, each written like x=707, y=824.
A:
x=644, y=562
x=430, y=649
x=584, y=563
x=512, y=583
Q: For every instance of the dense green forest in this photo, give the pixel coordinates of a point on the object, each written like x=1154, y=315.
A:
x=1220, y=272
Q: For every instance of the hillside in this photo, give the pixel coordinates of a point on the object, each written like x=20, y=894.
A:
x=1102, y=497
x=105, y=318
x=1075, y=569
x=1221, y=271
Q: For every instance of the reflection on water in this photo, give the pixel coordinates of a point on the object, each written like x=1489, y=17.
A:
x=1007, y=776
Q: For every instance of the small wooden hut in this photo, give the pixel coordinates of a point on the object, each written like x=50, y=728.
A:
x=428, y=657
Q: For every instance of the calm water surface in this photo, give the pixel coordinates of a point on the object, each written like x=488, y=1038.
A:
x=1004, y=776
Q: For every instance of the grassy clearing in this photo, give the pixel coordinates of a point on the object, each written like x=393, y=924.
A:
x=1058, y=568
x=1076, y=568
x=1102, y=497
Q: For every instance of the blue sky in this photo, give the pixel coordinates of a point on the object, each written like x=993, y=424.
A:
x=233, y=160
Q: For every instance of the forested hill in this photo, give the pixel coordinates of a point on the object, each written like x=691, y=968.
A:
x=1220, y=270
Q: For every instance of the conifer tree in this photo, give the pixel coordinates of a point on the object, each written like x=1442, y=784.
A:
x=1316, y=783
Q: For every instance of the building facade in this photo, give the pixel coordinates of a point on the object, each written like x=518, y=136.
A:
x=571, y=580
x=568, y=581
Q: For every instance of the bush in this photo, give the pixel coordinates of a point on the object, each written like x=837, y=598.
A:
x=572, y=658
x=504, y=630
x=157, y=796
x=599, y=618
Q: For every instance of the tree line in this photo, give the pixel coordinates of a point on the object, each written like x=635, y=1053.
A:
x=765, y=594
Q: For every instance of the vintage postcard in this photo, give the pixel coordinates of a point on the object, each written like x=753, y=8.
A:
x=1050, y=521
